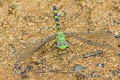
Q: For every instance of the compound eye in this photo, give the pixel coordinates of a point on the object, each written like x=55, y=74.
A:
x=66, y=43
x=59, y=44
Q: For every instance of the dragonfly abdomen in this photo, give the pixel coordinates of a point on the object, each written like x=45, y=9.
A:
x=56, y=18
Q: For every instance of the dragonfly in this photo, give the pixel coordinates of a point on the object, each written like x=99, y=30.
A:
x=62, y=42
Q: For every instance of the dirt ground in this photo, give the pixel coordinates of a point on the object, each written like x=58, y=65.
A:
x=26, y=22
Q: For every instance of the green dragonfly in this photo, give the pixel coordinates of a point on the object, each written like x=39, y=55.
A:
x=61, y=39
x=62, y=43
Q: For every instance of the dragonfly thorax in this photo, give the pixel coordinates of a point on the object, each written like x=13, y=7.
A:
x=62, y=45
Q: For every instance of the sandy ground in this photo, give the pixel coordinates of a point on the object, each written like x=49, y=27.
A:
x=24, y=22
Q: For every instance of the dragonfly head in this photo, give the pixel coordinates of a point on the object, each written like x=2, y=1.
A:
x=62, y=45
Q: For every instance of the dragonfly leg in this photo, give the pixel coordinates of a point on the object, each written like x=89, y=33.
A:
x=54, y=45
x=68, y=49
x=69, y=42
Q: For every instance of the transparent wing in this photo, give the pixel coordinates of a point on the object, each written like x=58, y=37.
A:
x=94, y=39
x=101, y=39
x=30, y=50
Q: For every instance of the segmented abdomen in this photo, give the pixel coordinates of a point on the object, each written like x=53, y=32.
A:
x=56, y=18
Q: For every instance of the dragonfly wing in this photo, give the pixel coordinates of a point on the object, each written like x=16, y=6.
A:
x=30, y=50
x=84, y=38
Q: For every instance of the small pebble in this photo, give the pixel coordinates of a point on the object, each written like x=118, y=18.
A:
x=117, y=37
x=78, y=68
x=49, y=27
x=61, y=14
x=13, y=6
x=100, y=65
x=115, y=22
x=118, y=54
x=19, y=7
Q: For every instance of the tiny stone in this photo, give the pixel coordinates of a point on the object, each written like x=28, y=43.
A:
x=118, y=54
x=61, y=14
x=19, y=7
x=116, y=33
x=73, y=59
x=100, y=65
x=73, y=3
x=13, y=6
x=99, y=52
x=115, y=22
x=117, y=37
x=78, y=68
x=48, y=27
